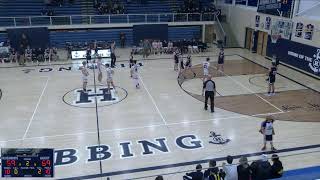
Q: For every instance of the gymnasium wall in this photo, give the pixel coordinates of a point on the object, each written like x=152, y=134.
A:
x=240, y=17
x=58, y=38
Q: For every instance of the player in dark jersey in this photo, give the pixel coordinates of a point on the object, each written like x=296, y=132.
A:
x=188, y=65
x=271, y=79
x=131, y=62
x=221, y=61
x=176, y=60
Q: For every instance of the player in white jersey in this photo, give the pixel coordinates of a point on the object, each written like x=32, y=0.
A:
x=205, y=67
x=110, y=73
x=99, y=68
x=85, y=75
x=135, y=75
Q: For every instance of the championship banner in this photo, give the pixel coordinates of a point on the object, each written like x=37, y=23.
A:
x=276, y=7
x=301, y=56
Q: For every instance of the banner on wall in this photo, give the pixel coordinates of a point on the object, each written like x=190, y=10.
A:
x=299, y=29
x=257, y=21
x=268, y=23
x=299, y=55
x=308, y=32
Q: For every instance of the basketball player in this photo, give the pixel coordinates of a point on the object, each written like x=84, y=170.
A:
x=271, y=79
x=135, y=75
x=188, y=65
x=176, y=60
x=181, y=64
x=131, y=62
x=110, y=73
x=221, y=61
x=99, y=68
x=268, y=131
x=205, y=67
x=85, y=74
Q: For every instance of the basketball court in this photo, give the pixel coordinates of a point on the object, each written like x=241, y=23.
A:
x=160, y=128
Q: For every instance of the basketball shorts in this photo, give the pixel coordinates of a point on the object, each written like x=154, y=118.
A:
x=268, y=137
x=85, y=79
x=271, y=80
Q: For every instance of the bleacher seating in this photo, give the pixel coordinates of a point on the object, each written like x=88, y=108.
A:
x=3, y=37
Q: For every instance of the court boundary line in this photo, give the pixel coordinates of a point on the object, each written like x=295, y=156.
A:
x=250, y=90
x=36, y=108
x=189, y=163
x=153, y=101
x=141, y=127
x=279, y=73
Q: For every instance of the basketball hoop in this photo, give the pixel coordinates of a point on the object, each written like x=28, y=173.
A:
x=275, y=37
x=275, y=33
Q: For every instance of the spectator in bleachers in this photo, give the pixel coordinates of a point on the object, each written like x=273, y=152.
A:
x=13, y=55
x=197, y=175
x=122, y=39
x=276, y=168
x=230, y=169
x=243, y=169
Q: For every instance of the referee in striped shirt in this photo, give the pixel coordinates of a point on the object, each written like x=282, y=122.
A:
x=209, y=88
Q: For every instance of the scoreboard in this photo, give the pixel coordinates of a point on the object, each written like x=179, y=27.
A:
x=27, y=162
x=273, y=7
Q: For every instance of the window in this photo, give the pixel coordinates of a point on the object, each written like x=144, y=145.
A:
x=242, y=2
x=253, y=3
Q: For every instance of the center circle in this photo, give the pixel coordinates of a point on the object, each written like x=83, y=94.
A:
x=104, y=97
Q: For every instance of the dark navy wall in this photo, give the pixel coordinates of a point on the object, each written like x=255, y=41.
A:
x=58, y=38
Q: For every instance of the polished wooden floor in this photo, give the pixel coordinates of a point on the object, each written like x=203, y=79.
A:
x=38, y=109
x=288, y=104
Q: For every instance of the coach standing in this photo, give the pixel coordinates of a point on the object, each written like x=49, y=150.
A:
x=209, y=88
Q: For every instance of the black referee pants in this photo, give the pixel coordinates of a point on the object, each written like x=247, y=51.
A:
x=113, y=60
x=207, y=95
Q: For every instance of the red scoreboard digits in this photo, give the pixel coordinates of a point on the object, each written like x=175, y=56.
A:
x=27, y=162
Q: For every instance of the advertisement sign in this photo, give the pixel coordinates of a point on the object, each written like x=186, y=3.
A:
x=299, y=55
x=81, y=54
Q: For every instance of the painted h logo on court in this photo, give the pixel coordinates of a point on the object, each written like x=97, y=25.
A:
x=102, y=95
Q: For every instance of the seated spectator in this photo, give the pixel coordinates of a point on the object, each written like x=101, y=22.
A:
x=197, y=175
x=13, y=55
x=28, y=54
x=244, y=170
x=276, y=168
x=230, y=169
x=159, y=178
x=261, y=169
x=213, y=173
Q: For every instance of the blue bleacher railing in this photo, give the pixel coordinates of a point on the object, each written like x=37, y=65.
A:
x=107, y=19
